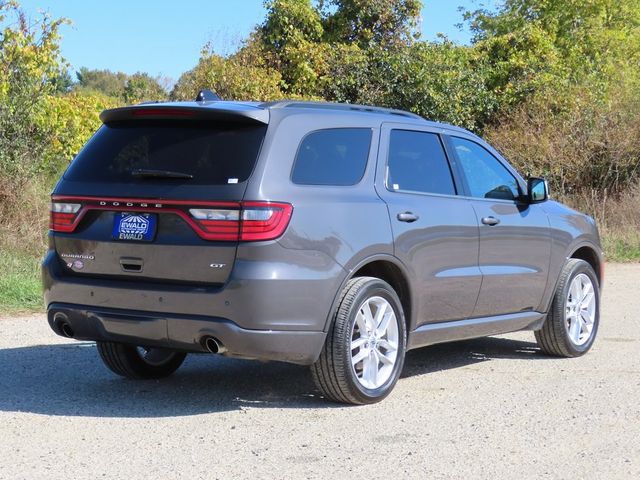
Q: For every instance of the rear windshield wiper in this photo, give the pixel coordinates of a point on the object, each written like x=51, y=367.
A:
x=149, y=173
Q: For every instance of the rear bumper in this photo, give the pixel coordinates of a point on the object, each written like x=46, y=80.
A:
x=184, y=332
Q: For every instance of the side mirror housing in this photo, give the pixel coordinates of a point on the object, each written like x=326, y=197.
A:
x=537, y=190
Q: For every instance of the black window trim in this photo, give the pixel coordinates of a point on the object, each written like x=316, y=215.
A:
x=501, y=161
x=452, y=167
x=325, y=185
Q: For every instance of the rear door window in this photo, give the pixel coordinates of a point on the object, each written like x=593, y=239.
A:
x=417, y=163
x=336, y=156
x=213, y=154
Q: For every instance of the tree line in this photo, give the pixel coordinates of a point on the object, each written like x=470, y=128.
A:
x=553, y=83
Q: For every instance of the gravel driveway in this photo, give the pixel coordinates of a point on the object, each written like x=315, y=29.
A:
x=488, y=408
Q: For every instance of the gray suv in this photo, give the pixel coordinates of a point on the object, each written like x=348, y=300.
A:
x=331, y=235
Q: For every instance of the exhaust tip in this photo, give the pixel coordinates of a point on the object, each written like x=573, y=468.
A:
x=66, y=330
x=213, y=345
x=61, y=321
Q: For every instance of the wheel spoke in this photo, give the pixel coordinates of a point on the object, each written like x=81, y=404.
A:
x=360, y=321
x=388, y=346
x=368, y=318
x=361, y=355
x=384, y=324
x=370, y=371
x=382, y=309
x=358, y=343
x=575, y=293
x=574, y=329
x=384, y=359
x=586, y=318
x=587, y=299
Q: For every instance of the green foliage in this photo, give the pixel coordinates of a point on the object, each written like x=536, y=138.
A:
x=386, y=23
x=69, y=120
x=134, y=88
x=30, y=69
x=291, y=39
x=230, y=78
x=106, y=82
x=141, y=87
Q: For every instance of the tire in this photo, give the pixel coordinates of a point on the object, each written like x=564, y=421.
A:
x=139, y=363
x=372, y=377
x=556, y=336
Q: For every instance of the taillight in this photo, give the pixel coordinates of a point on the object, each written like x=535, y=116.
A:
x=219, y=221
x=264, y=220
x=63, y=216
x=255, y=221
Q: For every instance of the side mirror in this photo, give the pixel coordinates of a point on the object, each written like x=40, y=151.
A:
x=537, y=190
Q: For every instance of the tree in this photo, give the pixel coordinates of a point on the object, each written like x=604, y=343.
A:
x=390, y=23
x=291, y=37
x=142, y=87
x=30, y=70
x=107, y=82
x=229, y=78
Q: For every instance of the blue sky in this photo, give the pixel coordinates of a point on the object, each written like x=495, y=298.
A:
x=165, y=37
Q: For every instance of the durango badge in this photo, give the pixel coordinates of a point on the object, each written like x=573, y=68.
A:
x=134, y=226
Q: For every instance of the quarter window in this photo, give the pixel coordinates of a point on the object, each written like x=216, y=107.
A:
x=486, y=176
x=335, y=156
x=417, y=163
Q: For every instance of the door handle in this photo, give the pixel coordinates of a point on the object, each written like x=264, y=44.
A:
x=491, y=221
x=408, y=217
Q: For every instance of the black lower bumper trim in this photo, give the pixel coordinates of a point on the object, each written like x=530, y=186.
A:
x=184, y=332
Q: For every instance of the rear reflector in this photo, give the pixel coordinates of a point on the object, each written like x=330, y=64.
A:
x=221, y=221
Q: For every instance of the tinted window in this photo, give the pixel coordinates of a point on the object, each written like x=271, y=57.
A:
x=486, y=176
x=417, y=163
x=212, y=153
x=332, y=157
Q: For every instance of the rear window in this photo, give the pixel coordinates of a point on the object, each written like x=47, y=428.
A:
x=213, y=154
x=336, y=156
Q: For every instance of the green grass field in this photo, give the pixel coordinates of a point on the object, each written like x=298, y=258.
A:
x=20, y=289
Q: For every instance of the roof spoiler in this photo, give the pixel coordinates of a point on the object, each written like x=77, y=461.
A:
x=220, y=112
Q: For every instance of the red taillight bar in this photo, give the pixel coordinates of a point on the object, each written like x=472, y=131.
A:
x=274, y=216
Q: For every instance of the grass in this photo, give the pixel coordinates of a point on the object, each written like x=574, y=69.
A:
x=621, y=246
x=20, y=286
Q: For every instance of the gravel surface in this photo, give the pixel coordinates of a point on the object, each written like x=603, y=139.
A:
x=488, y=408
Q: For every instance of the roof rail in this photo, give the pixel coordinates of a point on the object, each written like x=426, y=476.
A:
x=339, y=106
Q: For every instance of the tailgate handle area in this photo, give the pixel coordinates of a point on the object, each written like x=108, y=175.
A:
x=130, y=264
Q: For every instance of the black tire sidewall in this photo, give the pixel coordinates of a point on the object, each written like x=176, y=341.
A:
x=375, y=288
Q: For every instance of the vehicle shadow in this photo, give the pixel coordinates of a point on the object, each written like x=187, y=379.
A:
x=70, y=380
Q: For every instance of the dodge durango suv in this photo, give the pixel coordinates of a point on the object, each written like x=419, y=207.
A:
x=331, y=235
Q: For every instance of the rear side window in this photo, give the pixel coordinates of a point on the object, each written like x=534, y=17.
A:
x=335, y=156
x=417, y=163
x=213, y=154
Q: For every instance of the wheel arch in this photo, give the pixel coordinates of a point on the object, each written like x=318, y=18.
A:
x=389, y=269
x=590, y=255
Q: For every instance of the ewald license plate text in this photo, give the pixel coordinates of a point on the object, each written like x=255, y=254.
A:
x=134, y=226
